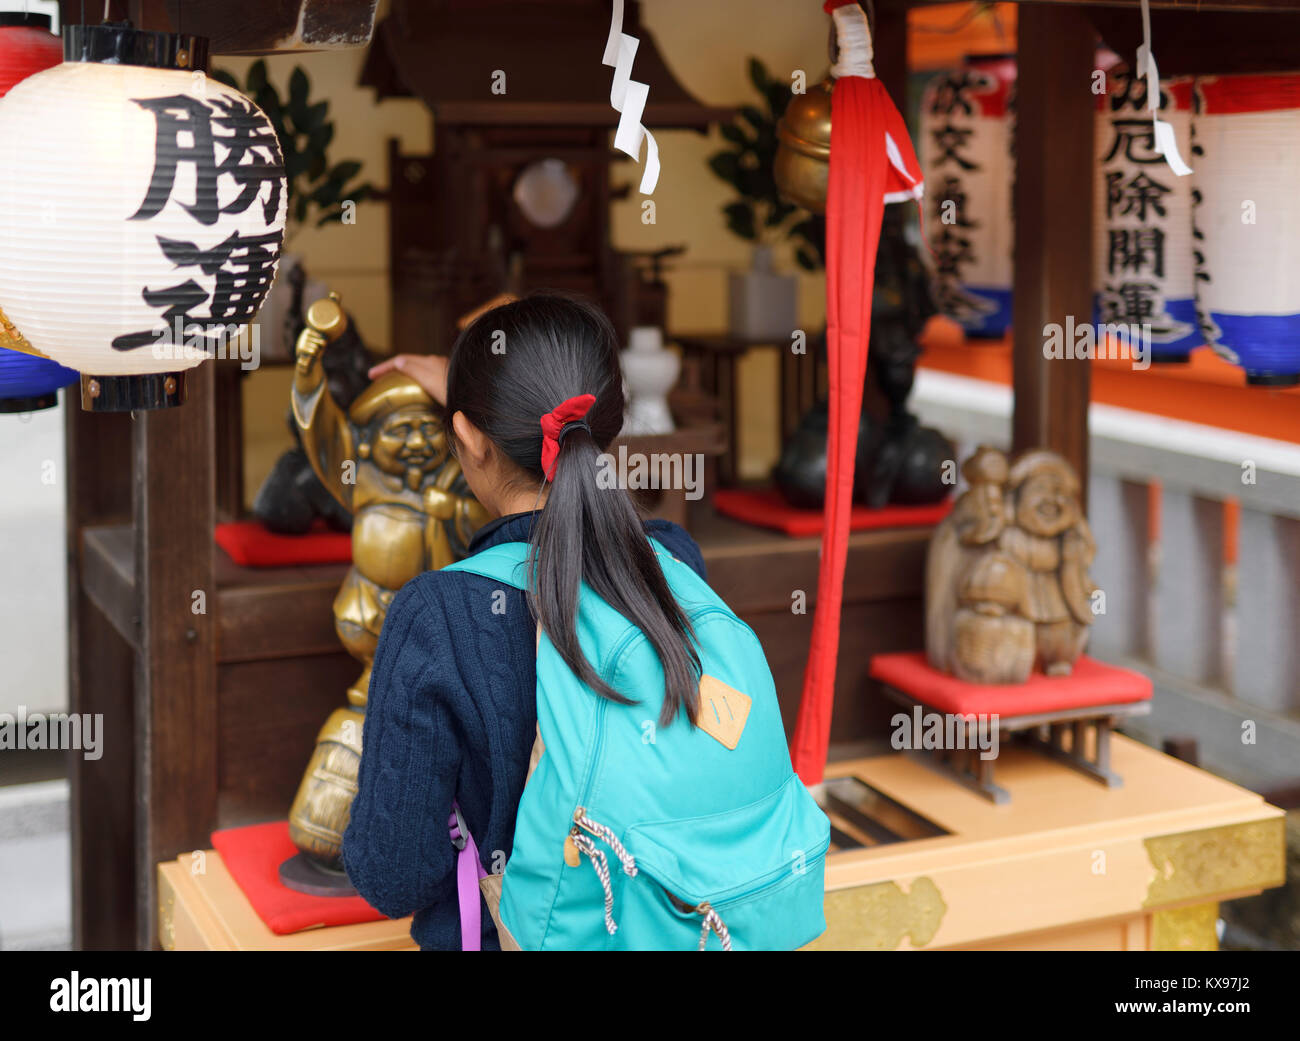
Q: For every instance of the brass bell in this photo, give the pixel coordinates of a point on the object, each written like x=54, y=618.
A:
x=804, y=148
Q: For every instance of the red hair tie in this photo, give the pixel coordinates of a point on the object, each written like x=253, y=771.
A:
x=553, y=424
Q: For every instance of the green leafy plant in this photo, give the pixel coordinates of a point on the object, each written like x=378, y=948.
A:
x=760, y=215
x=317, y=190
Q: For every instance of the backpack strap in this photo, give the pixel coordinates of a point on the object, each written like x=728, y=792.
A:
x=506, y=562
x=469, y=869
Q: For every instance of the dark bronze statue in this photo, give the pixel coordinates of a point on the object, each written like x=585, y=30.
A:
x=292, y=497
x=898, y=460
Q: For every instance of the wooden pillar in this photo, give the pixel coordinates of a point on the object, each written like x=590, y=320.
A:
x=229, y=439
x=176, y=672
x=100, y=669
x=1053, y=204
x=889, y=48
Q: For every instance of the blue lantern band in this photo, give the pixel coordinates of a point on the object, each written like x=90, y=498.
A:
x=29, y=383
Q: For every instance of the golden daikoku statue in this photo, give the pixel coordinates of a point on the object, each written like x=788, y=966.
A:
x=388, y=461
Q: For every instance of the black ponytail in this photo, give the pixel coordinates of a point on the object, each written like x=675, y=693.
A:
x=511, y=366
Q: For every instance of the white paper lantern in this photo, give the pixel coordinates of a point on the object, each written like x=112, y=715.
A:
x=142, y=209
x=1246, y=171
x=967, y=125
x=1142, y=258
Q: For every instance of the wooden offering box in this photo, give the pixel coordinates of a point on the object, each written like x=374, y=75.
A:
x=205, y=910
x=919, y=862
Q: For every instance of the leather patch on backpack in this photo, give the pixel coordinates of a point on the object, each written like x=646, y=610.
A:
x=723, y=711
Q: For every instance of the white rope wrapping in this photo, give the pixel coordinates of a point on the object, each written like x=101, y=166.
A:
x=628, y=98
x=854, y=38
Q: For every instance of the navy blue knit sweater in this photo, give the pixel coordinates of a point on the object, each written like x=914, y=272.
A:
x=452, y=715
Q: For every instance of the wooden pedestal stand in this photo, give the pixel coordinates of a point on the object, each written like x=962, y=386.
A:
x=1067, y=864
x=1077, y=737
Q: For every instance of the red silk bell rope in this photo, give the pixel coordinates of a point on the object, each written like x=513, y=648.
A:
x=871, y=163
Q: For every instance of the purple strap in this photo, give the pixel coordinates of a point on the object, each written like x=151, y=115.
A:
x=469, y=869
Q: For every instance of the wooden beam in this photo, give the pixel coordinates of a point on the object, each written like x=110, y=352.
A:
x=1242, y=6
x=249, y=26
x=1192, y=42
x=176, y=681
x=108, y=576
x=1053, y=206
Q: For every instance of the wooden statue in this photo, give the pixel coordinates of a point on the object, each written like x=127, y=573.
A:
x=386, y=460
x=1007, y=584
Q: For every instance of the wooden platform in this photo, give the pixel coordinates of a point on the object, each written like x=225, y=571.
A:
x=1067, y=864
x=920, y=863
x=200, y=908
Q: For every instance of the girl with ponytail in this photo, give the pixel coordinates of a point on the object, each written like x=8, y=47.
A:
x=533, y=395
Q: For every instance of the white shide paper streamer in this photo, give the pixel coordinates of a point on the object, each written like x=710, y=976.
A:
x=628, y=97
x=1165, y=143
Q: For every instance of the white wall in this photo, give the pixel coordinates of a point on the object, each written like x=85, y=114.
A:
x=33, y=593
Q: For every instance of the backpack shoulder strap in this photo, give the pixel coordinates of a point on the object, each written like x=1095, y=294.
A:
x=504, y=562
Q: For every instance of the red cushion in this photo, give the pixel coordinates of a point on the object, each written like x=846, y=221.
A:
x=253, y=856
x=1091, y=683
x=767, y=508
x=251, y=545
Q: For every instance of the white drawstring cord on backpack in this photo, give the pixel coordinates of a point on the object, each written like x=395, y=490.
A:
x=597, y=857
x=713, y=921
x=625, y=859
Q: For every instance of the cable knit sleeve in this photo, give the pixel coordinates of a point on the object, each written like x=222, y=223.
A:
x=396, y=849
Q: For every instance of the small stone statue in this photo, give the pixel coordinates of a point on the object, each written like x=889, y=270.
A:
x=1007, y=584
x=387, y=461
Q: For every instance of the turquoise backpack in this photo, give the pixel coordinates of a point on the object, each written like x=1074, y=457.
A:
x=636, y=836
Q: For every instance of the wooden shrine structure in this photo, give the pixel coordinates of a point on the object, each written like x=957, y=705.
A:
x=216, y=677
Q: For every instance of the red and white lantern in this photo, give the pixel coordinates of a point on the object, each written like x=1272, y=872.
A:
x=28, y=381
x=142, y=208
x=966, y=134
x=1144, y=275
x=1247, y=217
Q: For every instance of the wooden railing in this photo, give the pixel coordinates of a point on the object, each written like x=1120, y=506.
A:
x=1198, y=553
